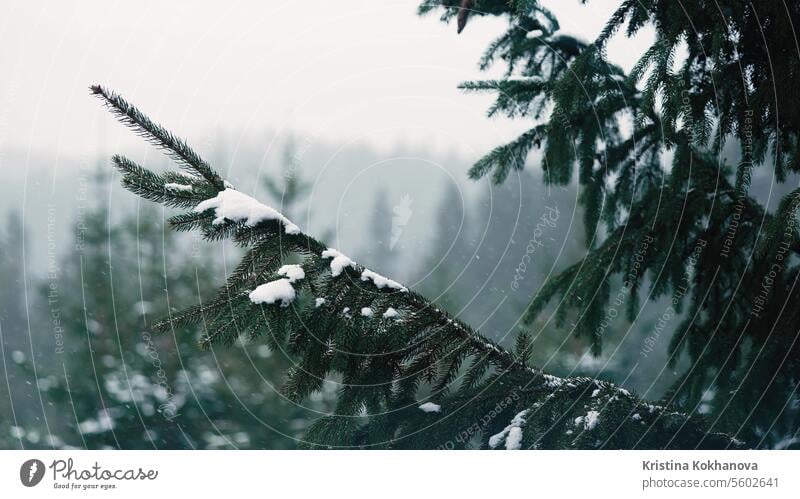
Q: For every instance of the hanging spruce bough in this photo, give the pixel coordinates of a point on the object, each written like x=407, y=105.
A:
x=726, y=263
x=386, y=343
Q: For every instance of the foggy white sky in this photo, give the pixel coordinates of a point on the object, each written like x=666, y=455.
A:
x=355, y=70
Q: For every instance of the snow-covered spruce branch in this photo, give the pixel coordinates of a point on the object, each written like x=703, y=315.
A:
x=411, y=376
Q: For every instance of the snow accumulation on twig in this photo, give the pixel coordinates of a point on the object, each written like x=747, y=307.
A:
x=232, y=205
x=589, y=421
x=381, y=281
x=178, y=187
x=187, y=175
x=339, y=261
x=551, y=381
x=292, y=272
x=430, y=407
x=279, y=290
x=512, y=433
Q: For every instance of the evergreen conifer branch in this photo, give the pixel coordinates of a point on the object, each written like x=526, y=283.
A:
x=387, y=344
x=157, y=136
x=727, y=265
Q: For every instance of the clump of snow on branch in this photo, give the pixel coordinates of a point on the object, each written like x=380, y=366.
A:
x=366, y=312
x=279, y=290
x=551, y=381
x=390, y=312
x=178, y=187
x=292, y=272
x=381, y=281
x=232, y=205
x=589, y=421
x=514, y=438
x=512, y=434
x=430, y=407
x=339, y=261
x=187, y=175
x=319, y=302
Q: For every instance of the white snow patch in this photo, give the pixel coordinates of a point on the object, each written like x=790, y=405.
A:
x=430, y=407
x=636, y=417
x=512, y=433
x=589, y=421
x=551, y=381
x=390, y=312
x=232, y=205
x=381, y=281
x=595, y=393
x=178, y=187
x=273, y=292
x=366, y=312
x=292, y=272
x=514, y=438
x=279, y=290
x=519, y=418
x=319, y=302
x=339, y=261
